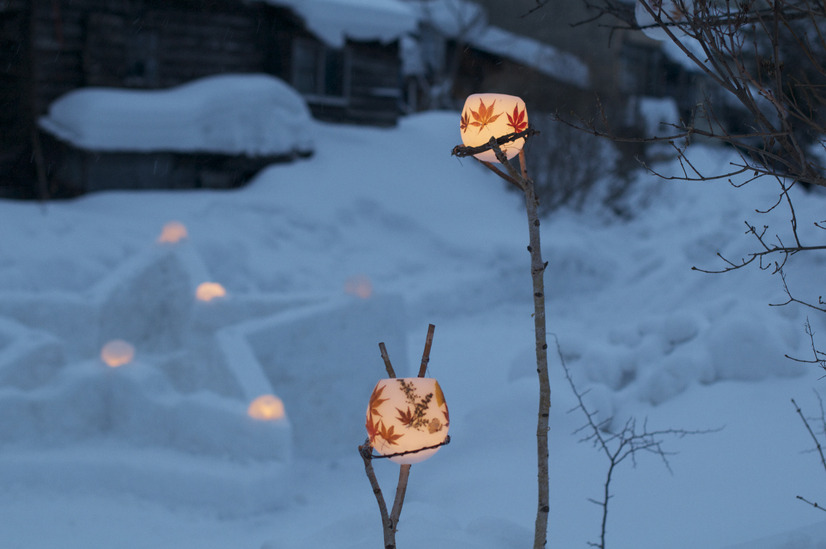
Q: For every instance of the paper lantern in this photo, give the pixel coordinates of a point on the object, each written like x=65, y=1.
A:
x=266, y=408
x=117, y=353
x=172, y=232
x=207, y=291
x=487, y=115
x=407, y=418
x=359, y=286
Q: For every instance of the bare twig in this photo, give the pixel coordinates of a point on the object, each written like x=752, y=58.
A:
x=617, y=446
x=387, y=365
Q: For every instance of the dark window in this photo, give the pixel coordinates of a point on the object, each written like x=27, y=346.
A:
x=318, y=71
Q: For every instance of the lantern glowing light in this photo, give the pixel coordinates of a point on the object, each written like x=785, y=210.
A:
x=266, y=408
x=172, y=232
x=207, y=291
x=407, y=419
x=359, y=286
x=117, y=353
x=487, y=115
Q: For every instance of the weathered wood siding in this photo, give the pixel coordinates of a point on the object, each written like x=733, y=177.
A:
x=51, y=47
x=16, y=124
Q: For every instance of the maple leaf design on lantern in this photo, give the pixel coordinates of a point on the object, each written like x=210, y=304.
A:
x=372, y=431
x=388, y=434
x=517, y=121
x=484, y=115
x=376, y=401
x=463, y=122
x=406, y=417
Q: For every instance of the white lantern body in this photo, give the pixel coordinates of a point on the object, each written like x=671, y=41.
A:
x=487, y=115
x=407, y=418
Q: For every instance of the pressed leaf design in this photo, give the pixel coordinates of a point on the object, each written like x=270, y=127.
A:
x=463, y=122
x=440, y=396
x=376, y=400
x=406, y=417
x=484, y=115
x=388, y=433
x=371, y=428
x=517, y=121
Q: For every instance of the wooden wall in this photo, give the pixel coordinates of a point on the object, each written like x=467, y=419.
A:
x=50, y=47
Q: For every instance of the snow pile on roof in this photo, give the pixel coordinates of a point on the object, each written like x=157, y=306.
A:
x=333, y=21
x=468, y=22
x=255, y=115
x=540, y=56
x=451, y=18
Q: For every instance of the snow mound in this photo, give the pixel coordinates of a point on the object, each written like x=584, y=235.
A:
x=253, y=115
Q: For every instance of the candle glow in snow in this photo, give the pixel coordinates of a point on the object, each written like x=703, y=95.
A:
x=487, y=115
x=207, y=291
x=117, y=353
x=172, y=232
x=266, y=408
x=407, y=419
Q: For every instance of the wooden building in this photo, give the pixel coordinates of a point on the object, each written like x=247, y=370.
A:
x=50, y=47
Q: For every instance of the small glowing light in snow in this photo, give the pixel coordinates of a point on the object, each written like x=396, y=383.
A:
x=117, y=353
x=407, y=418
x=487, y=115
x=172, y=232
x=207, y=291
x=266, y=408
x=359, y=286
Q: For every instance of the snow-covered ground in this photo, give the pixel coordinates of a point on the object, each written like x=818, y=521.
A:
x=377, y=235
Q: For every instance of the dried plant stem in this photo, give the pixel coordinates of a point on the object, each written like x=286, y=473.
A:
x=391, y=520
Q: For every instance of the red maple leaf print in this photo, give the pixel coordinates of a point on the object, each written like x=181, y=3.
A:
x=405, y=417
x=463, y=122
x=484, y=115
x=376, y=400
x=517, y=121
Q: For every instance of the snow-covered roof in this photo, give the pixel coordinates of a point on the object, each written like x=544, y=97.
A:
x=538, y=55
x=333, y=21
x=467, y=21
x=255, y=115
x=452, y=18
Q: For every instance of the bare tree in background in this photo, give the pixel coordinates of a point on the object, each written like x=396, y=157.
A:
x=767, y=58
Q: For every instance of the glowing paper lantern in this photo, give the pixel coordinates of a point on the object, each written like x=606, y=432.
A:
x=487, y=115
x=266, y=408
x=117, y=353
x=407, y=418
x=669, y=11
x=172, y=232
x=207, y=291
x=359, y=286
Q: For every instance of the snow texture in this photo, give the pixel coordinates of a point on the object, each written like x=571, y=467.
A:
x=160, y=452
x=334, y=21
x=253, y=115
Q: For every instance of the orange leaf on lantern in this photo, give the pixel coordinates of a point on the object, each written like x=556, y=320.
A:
x=388, y=434
x=463, y=122
x=372, y=431
x=376, y=400
x=440, y=396
x=484, y=115
x=517, y=121
x=406, y=417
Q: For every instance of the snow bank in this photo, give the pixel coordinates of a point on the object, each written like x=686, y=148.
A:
x=253, y=115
